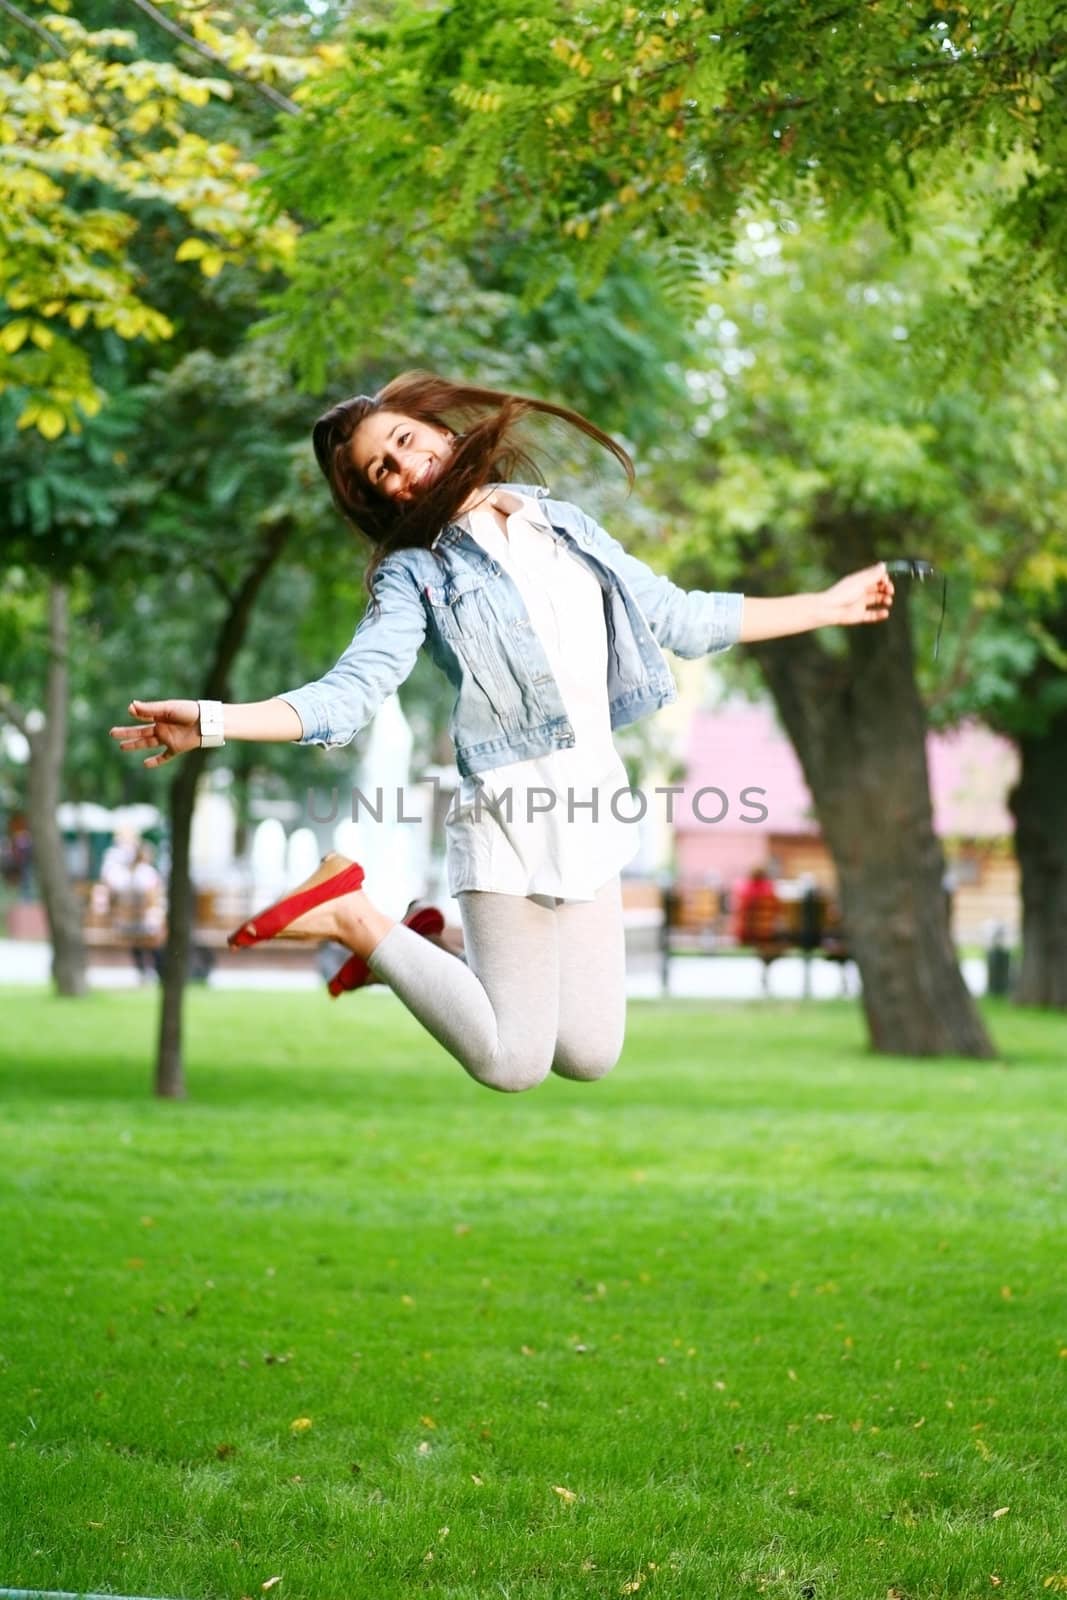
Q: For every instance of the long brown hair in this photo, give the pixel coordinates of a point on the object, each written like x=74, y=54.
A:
x=487, y=449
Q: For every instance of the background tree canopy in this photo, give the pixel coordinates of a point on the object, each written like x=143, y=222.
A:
x=573, y=133
x=115, y=167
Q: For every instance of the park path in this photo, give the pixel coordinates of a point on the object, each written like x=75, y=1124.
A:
x=733, y=977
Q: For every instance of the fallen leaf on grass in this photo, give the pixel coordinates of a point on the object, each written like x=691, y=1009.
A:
x=1055, y=1580
x=568, y=1496
x=1001, y=1511
x=636, y=1581
x=300, y=1425
x=270, y=1582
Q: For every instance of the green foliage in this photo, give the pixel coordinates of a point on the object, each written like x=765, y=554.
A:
x=824, y=435
x=569, y=134
x=23, y=620
x=58, y=497
x=102, y=145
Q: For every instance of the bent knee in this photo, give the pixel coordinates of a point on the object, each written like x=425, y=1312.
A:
x=512, y=1072
x=587, y=1064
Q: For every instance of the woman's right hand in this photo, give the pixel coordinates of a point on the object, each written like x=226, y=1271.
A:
x=174, y=724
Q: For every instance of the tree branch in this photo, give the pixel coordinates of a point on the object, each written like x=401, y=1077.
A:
x=218, y=578
x=59, y=49
x=281, y=102
x=1004, y=581
x=55, y=45
x=275, y=536
x=14, y=714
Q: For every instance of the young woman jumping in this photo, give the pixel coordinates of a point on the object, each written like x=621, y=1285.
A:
x=551, y=635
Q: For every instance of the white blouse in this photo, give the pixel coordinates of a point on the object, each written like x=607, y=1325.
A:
x=554, y=825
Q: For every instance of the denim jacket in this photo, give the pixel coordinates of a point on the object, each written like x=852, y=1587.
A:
x=462, y=605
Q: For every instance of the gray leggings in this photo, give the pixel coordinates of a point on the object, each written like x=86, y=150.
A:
x=543, y=988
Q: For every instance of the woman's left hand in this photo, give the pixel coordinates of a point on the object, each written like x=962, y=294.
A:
x=864, y=596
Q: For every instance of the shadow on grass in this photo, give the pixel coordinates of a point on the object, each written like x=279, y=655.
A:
x=238, y=1048
x=243, y=1049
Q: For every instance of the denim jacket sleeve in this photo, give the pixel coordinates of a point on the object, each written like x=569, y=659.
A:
x=336, y=706
x=689, y=622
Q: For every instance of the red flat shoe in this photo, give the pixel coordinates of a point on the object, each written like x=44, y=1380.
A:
x=335, y=876
x=355, y=973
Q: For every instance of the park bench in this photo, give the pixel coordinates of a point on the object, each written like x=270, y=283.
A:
x=695, y=921
x=107, y=932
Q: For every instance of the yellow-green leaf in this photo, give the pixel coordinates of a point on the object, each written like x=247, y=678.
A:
x=191, y=250
x=51, y=422
x=13, y=336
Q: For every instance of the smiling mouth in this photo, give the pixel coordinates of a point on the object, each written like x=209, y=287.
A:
x=427, y=475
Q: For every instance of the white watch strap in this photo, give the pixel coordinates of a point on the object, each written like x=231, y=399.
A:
x=211, y=724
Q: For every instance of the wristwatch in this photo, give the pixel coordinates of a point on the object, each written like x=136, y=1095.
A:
x=211, y=724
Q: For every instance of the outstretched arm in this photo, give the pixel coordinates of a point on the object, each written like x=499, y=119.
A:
x=694, y=623
x=175, y=724
x=329, y=711
x=864, y=596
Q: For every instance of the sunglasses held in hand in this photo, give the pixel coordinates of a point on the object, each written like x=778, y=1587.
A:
x=908, y=567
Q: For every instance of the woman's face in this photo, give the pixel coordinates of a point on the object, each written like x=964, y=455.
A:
x=399, y=456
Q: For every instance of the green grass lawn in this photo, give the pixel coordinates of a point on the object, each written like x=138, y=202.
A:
x=757, y=1315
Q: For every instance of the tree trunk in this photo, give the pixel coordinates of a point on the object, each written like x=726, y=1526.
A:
x=243, y=767
x=170, y=1068
x=1039, y=806
x=170, y=1065
x=47, y=749
x=859, y=728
